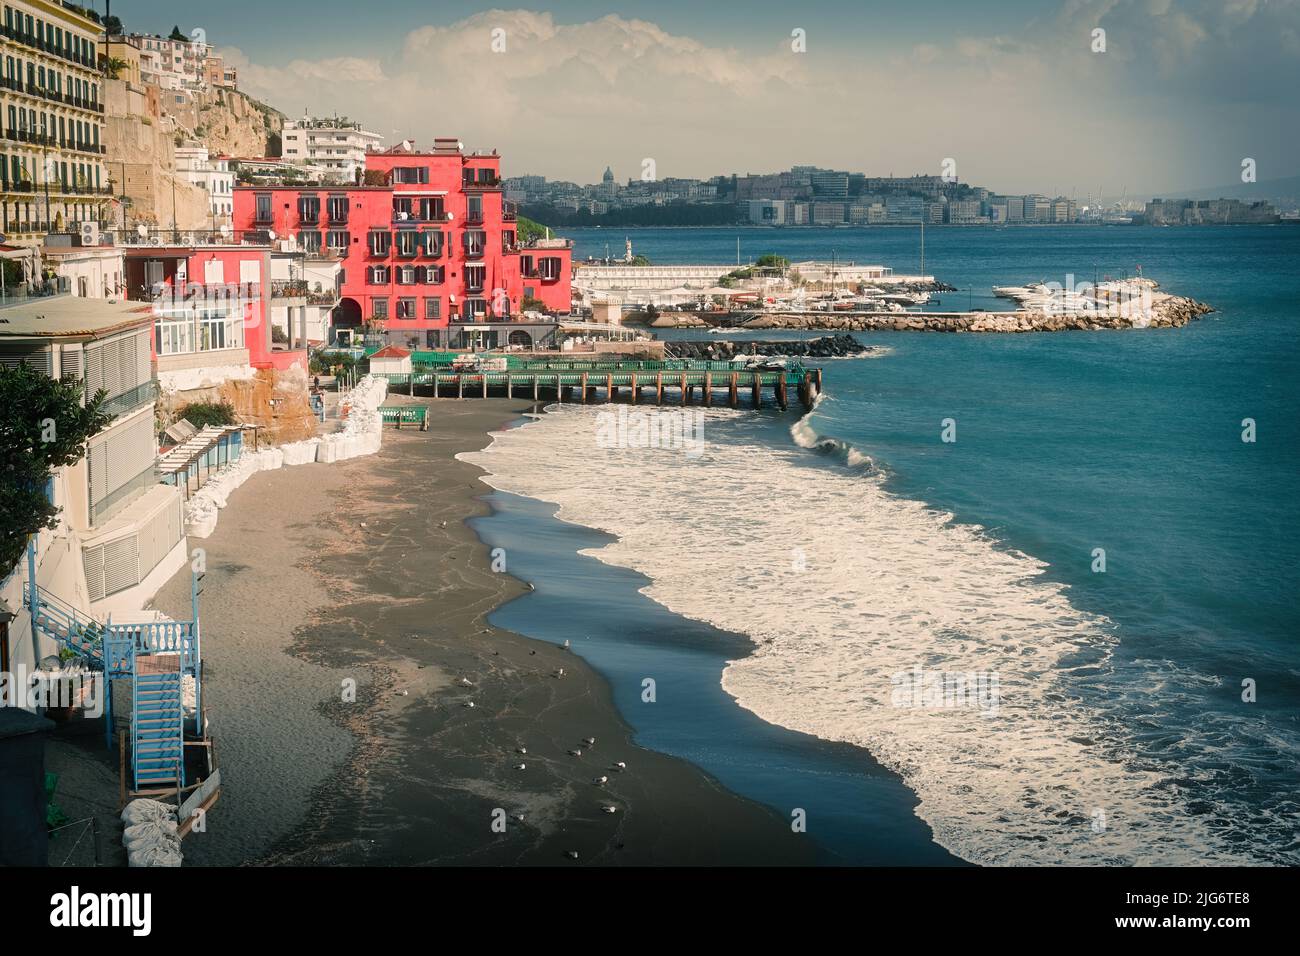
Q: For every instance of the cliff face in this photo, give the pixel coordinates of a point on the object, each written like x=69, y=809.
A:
x=228, y=123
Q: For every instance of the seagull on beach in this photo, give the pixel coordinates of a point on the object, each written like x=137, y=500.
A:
x=522, y=766
x=575, y=753
x=522, y=750
x=620, y=766
x=589, y=741
x=443, y=525
x=469, y=703
x=610, y=809
x=572, y=854
x=601, y=781
x=466, y=682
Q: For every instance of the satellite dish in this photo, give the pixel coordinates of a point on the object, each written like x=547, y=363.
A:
x=225, y=230
x=271, y=234
x=451, y=216
x=142, y=230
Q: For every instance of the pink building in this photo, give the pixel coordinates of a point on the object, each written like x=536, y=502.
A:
x=211, y=304
x=429, y=247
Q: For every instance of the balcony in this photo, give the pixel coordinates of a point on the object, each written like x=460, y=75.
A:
x=131, y=399
x=289, y=289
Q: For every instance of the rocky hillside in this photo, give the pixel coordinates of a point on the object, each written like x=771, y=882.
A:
x=229, y=124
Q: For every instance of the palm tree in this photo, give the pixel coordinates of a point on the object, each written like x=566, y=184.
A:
x=113, y=67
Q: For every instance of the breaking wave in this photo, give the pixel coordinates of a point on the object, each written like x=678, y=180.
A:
x=850, y=592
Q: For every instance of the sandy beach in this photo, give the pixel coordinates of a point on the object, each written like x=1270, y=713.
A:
x=365, y=571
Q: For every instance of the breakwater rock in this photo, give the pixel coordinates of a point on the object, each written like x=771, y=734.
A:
x=829, y=346
x=1167, y=311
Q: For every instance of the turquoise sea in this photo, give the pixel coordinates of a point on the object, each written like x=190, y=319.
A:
x=1151, y=710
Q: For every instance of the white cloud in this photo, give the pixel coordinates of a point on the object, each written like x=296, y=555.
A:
x=1037, y=111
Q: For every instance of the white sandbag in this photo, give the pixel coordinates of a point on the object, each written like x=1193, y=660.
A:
x=300, y=452
x=163, y=854
x=145, y=811
x=148, y=833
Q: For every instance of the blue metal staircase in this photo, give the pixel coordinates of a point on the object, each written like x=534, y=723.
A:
x=157, y=727
x=156, y=656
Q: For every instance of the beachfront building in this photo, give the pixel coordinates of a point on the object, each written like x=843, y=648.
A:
x=52, y=174
x=120, y=535
x=336, y=145
x=211, y=303
x=88, y=271
x=429, y=251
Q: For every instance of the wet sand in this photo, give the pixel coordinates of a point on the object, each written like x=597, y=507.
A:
x=321, y=574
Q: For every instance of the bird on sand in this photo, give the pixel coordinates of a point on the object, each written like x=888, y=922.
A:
x=601, y=781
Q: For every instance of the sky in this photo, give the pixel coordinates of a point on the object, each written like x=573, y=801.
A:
x=1020, y=95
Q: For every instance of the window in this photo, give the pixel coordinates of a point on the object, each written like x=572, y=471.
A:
x=377, y=275
x=380, y=243
x=431, y=209
x=410, y=174
x=408, y=243
x=309, y=208
x=309, y=239
x=406, y=308
x=475, y=276
x=379, y=308
x=337, y=239
x=432, y=244
x=475, y=211
x=475, y=239
x=263, y=207
x=435, y=275
x=406, y=275
x=433, y=308
x=338, y=209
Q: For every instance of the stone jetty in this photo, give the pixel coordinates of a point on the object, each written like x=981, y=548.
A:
x=829, y=346
x=1166, y=311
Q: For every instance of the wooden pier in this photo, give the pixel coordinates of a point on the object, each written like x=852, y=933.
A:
x=683, y=382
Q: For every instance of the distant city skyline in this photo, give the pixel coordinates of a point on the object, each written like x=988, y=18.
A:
x=1014, y=94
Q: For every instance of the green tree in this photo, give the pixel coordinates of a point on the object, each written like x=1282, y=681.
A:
x=43, y=426
x=177, y=35
x=526, y=230
x=113, y=67
x=203, y=414
x=113, y=26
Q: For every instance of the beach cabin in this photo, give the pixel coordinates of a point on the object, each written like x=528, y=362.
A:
x=391, y=360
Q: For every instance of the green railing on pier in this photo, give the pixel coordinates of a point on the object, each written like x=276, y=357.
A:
x=400, y=415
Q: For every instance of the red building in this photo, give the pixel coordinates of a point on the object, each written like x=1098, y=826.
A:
x=210, y=303
x=429, y=247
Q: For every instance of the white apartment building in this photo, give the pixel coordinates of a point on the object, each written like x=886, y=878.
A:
x=120, y=533
x=91, y=272
x=174, y=64
x=337, y=146
x=195, y=166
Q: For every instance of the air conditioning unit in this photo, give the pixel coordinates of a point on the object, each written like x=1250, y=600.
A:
x=90, y=233
x=155, y=240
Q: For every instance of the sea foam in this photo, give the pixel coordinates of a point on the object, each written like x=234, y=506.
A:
x=847, y=592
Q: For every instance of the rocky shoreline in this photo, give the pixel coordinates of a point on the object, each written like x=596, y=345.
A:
x=829, y=346
x=1168, y=311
